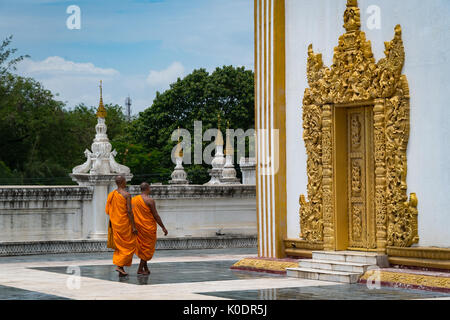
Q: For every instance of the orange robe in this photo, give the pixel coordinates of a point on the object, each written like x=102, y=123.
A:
x=146, y=226
x=124, y=239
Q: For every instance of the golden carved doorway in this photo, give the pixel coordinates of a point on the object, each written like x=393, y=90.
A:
x=360, y=178
x=356, y=132
x=353, y=164
x=357, y=164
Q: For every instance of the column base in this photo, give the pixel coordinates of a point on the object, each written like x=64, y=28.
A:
x=98, y=236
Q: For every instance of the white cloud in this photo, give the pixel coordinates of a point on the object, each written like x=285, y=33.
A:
x=161, y=79
x=76, y=83
x=73, y=82
x=58, y=65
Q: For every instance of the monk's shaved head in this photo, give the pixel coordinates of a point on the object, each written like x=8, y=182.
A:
x=120, y=180
x=145, y=186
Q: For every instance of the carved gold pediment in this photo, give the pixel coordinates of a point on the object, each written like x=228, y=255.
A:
x=354, y=75
x=355, y=78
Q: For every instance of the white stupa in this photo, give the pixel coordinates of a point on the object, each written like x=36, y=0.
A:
x=219, y=160
x=101, y=161
x=229, y=172
x=179, y=175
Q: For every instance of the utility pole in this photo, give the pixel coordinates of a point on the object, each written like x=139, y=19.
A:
x=128, y=105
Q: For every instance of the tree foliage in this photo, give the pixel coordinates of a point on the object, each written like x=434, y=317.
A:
x=200, y=96
x=42, y=140
x=7, y=62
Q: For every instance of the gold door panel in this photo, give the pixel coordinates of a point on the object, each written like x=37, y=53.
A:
x=360, y=178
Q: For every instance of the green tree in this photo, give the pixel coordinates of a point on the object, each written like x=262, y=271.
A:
x=7, y=62
x=200, y=96
x=42, y=140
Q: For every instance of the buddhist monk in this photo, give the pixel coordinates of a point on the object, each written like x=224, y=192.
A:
x=118, y=207
x=146, y=217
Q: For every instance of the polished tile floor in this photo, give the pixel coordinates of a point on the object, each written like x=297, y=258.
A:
x=340, y=292
x=167, y=272
x=11, y=293
x=176, y=275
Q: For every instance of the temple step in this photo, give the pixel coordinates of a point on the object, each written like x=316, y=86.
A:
x=338, y=266
x=371, y=258
x=335, y=266
x=323, y=275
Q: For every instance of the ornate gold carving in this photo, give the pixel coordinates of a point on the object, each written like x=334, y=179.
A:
x=356, y=78
x=402, y=214
x=380, y=173
x=356, y=178
x=311, y=212
x=264, y=264
x=352, y=20
x=302, y=244
x=327, y=180
x=354, y=75
x=408, y=279
x=420, y=253
x=356, y=222
x=356, y=131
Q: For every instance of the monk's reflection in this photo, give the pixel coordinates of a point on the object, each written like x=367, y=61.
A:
x=143, y=279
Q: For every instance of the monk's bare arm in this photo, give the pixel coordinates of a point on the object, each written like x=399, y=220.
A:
x=130, y=213
x=151, y=204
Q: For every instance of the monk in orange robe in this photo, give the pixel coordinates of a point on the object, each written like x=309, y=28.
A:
x=118, y=207
x=146, y=217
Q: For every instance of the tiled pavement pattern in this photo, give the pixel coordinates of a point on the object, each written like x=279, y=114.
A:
x=167, y=272
x=176, y=274
x=10, y=293
x=335, y=292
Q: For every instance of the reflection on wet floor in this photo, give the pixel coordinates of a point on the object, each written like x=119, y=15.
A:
x=167, y=272
x=11, y=293
x=334, y=292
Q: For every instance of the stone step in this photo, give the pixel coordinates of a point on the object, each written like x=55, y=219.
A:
x=323, y=275
x=371, y=258
x=335, y=265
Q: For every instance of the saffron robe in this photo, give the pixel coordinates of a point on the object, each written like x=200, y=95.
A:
x=124, y=239
x=146, y=226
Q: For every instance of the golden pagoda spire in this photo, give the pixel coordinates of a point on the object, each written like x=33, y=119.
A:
x=219, y=137
x=179, y=149
x=229, y=147
x=101, y=111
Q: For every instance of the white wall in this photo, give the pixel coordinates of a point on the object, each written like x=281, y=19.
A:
x=31, y=213
x=426, y=37
x=206, y=217
x=42, y=213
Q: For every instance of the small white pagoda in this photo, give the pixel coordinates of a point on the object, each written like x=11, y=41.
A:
x=229, y=172
x=218, y=161
x=179, y=175
x=99, y=171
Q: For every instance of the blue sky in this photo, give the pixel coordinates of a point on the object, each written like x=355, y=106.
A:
x=135, y=46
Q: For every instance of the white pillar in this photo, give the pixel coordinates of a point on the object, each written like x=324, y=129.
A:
x=248, y=169
x=96, y=220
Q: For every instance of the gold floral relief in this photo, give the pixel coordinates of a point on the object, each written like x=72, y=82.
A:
x=356, y=178
x=356, y=78
x=356, y=131
x=356, y=222
x=311, y=212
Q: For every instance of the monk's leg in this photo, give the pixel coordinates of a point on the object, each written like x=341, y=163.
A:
x=121, y=271
x=147, y=271
x=141, y=269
